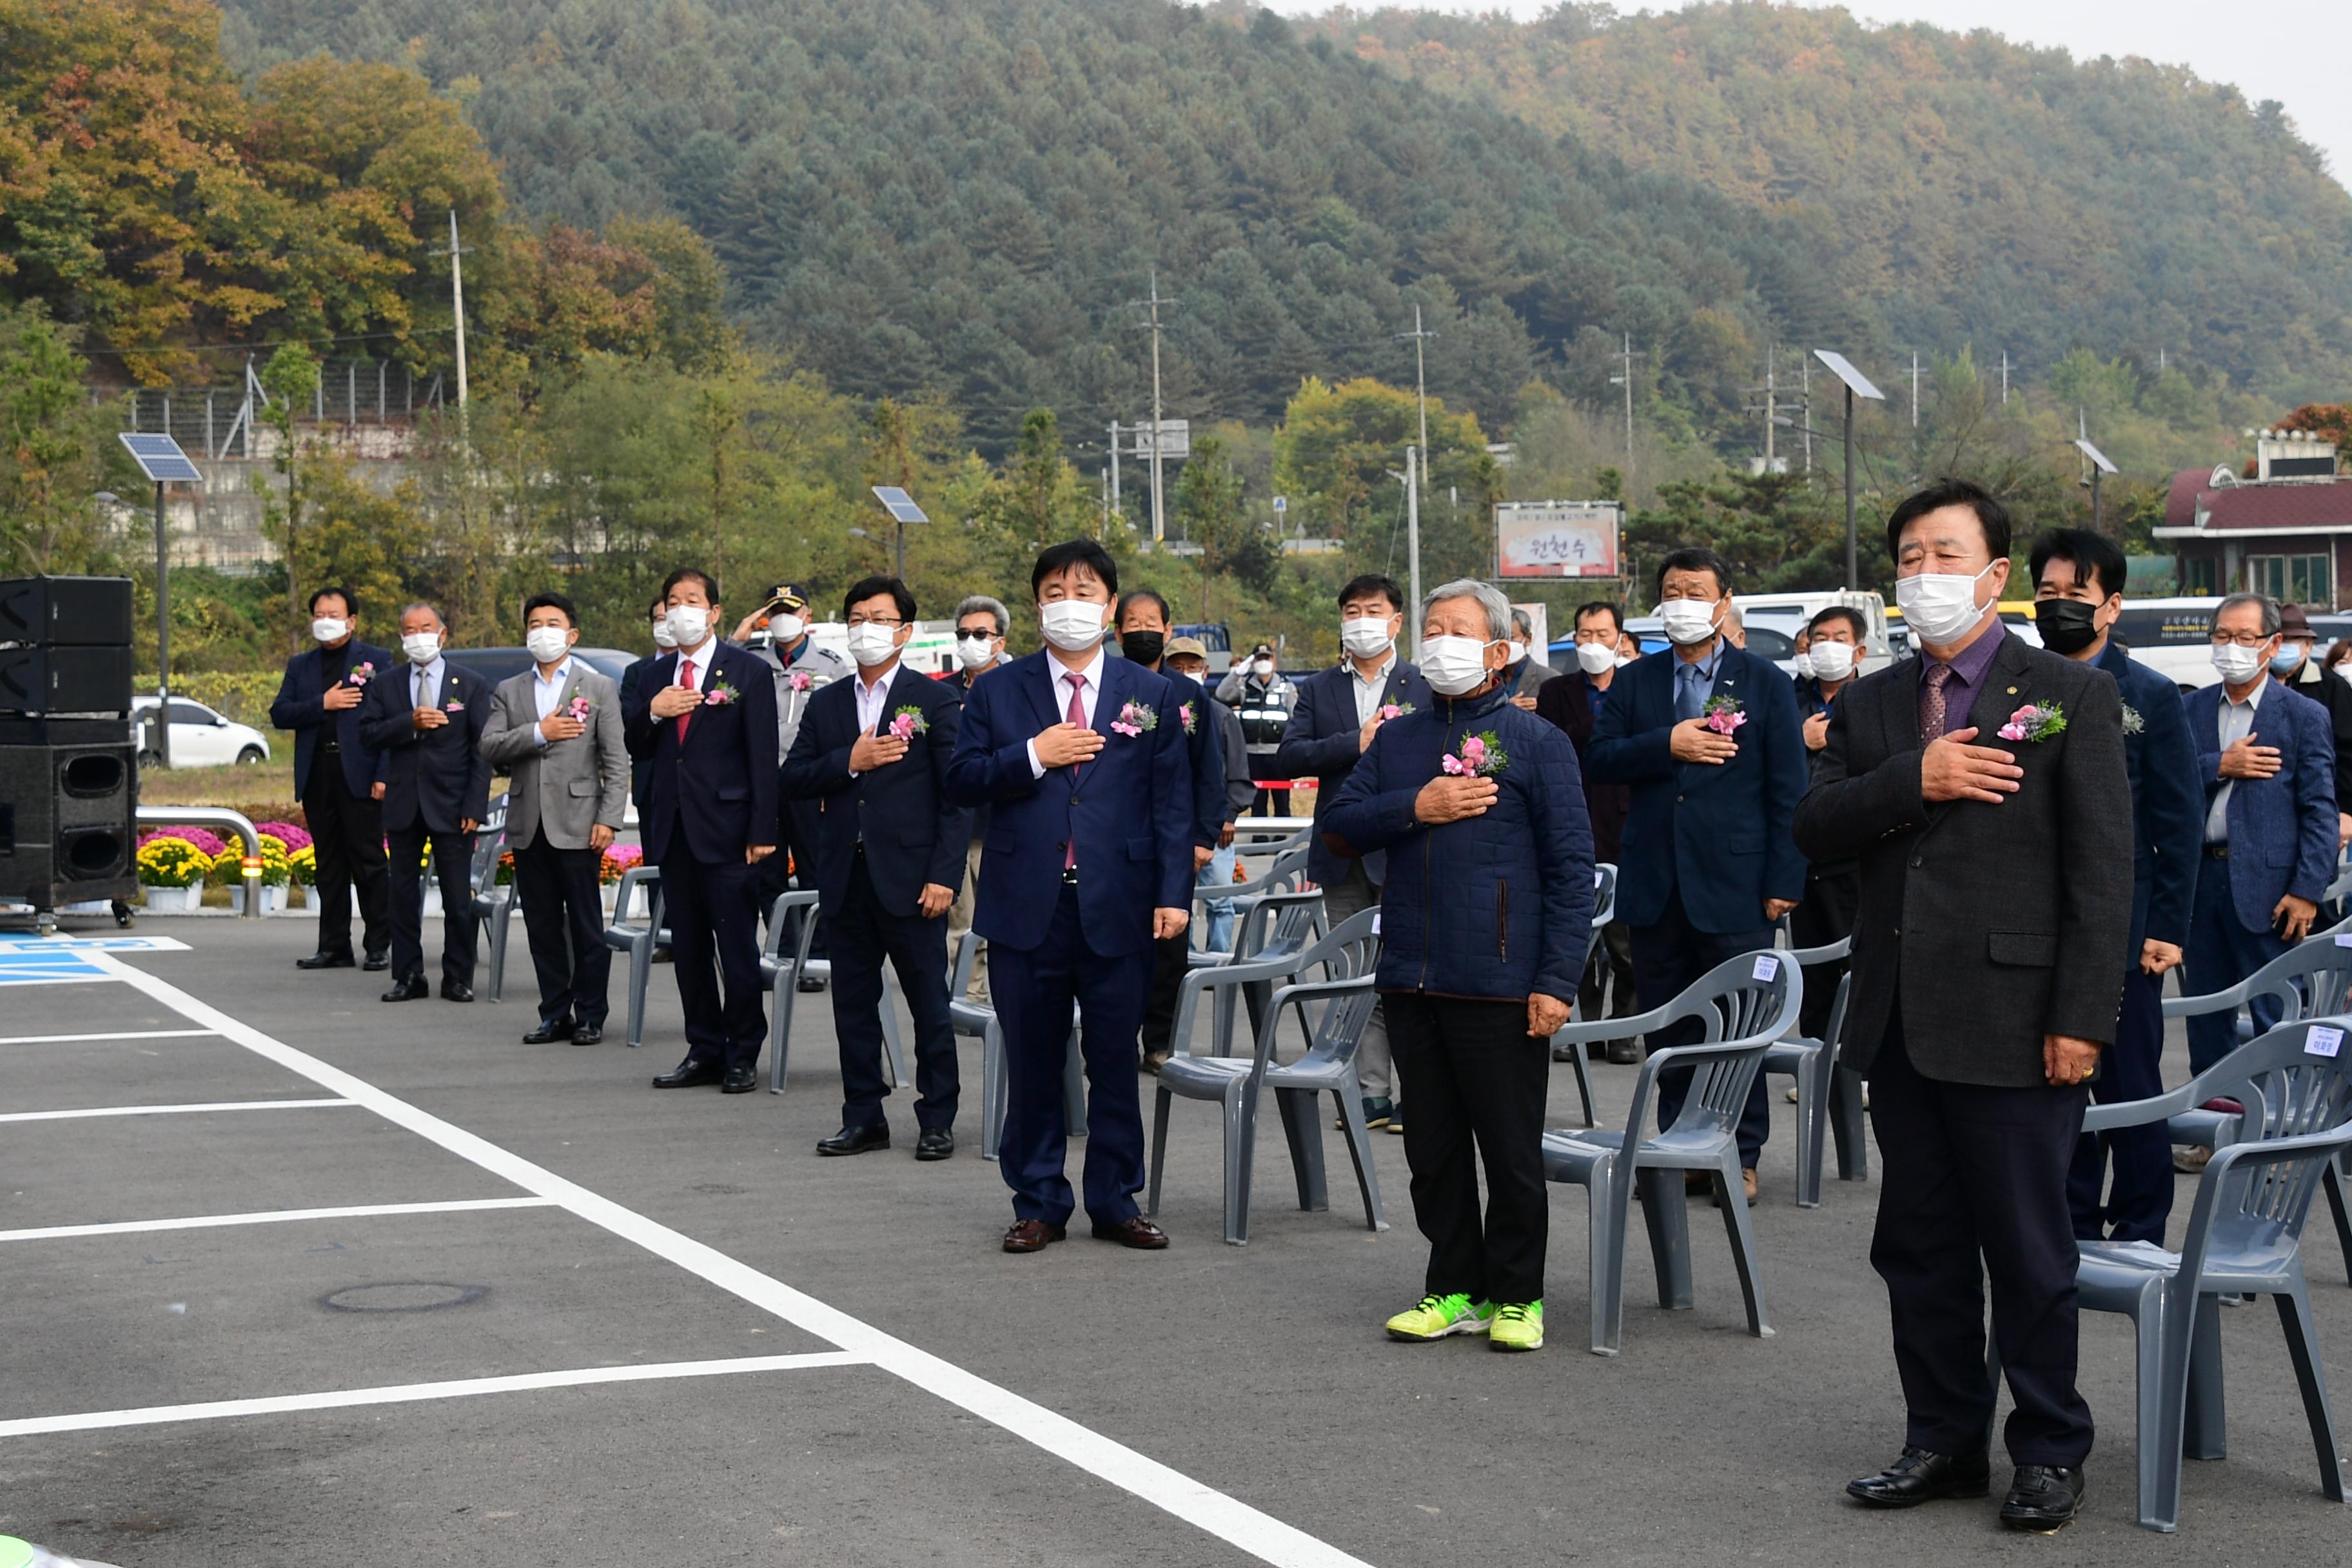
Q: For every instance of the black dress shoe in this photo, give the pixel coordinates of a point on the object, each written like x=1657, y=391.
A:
x=588, y=1035
x=689, y=1074
x=2043, y=1497
x=1134, y=1231
x=547, y=1034
x=456, y=991
x=738, y=1080
x=857, y=1139
x=811, y=982
x=325, y=960
x=412, y=989
x=376, y=961
x=1921, y=1477
x=936, y=1143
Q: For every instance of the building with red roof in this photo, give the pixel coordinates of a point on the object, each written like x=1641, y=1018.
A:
x=2286, y=532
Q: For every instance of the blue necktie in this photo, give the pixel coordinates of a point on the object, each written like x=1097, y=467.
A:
x=1690, y=692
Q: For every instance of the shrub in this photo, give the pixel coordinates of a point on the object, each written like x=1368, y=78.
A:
x=287, y=833
x=203, y=840
x=166, y=861
x=620, y=859
x=276, y=868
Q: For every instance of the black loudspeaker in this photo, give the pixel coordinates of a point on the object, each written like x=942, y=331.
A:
x=65, y=679
x=66, y=612
x=68, y=823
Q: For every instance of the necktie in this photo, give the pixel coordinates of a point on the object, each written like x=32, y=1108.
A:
x=685, y=678
x=1077, y=715
x=1690, y=695
x=1931, y=704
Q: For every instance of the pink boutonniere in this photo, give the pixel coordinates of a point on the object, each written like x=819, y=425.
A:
x=908, y=722
x=718, y=694
x=361, y=673
x=581, y=708
x=798, y=679
x=1723, y=714
x=454, y=706
x=2034, y=723
x=1192, y=720
x=1134, y=719
x=1479, y=756
x=1392, y=710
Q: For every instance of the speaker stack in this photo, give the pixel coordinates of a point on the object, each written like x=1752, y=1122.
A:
x=69, y=767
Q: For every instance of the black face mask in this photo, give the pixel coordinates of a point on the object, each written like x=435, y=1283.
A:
x=2065, y=624
x=1144, y=647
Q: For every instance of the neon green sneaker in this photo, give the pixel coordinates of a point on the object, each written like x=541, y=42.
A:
x=1518, y=1326
x=1435, y=1317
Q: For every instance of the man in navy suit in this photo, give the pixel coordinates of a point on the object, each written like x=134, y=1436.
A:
x=705, y=716
x=2267, y=760
x=1144, y=628
x=1707, y=736
x=2078, y=591
x=872, y=753
x=425, y=719
x=335, y=777
x=1340, y=710
x=641, y=769
x=1088, y=862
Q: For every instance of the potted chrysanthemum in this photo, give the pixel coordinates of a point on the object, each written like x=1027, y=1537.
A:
x=171, y=874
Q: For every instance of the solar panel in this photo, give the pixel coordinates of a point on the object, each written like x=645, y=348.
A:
x=899, y=504
x=1856, y=382
x=161, y=459
x=2095, y=456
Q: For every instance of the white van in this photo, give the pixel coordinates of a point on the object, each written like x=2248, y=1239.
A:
x=1788, y=614
x=2171, y=636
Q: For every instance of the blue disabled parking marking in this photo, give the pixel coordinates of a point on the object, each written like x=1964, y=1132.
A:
x=21, y=968
x=62, y=945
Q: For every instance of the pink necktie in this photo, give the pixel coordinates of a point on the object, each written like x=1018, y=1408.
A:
x=1077, y=715
x=1932, y=717
x=685, y=678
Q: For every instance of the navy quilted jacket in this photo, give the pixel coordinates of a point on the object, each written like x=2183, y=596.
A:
x=1496, y=906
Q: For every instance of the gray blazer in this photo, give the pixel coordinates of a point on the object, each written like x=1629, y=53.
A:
x=570, y=786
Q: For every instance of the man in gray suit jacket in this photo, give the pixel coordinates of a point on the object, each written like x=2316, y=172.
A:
x=556, y=729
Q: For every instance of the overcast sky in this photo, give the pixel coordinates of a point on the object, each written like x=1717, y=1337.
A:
x=2297, y=54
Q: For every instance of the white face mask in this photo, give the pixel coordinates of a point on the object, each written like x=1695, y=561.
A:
x=973, y=653
x=1263, y=669
x=1454, y=666
x=662, y=637
x=422, y=647
x=786, y=628
x=1595, y=658
x=326, y=628
x=1366, y=637
x=1804, y=663
x=1072, y=624
x=689, y=625
x=1688, y=620
x=547, y=642
x=1832, y=660
x=2237, y=664
x=1940, y=606
x=871, y=645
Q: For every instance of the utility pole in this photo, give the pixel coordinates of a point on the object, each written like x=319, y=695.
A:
x=1420, y=396
x=1413, y=525
x=457, y=304
x=1625, y=380
x=1915, y=389
x=1805, y=375
x=1771, y=411
x=1115, y=505
x=1420, y=373
x=2004, y=378
x=1158, y=520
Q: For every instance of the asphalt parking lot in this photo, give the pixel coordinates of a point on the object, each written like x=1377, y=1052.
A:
x=483, y=1303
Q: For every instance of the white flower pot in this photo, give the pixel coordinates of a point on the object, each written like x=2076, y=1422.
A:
x=273, y=900
x=174, y=901
x=610, y=892
x=433, y=898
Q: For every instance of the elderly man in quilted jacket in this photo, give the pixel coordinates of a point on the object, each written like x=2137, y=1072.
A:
x=1485, y=917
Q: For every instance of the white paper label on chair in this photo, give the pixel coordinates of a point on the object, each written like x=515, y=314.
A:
x=1767, y=965
x=1376, y=923
x=2344, y=941
x=2323, y=1042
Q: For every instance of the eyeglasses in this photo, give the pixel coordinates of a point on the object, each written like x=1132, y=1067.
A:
x=892, y=622
x=2243, y=639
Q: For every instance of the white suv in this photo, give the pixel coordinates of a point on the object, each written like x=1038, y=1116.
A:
x=200, y=737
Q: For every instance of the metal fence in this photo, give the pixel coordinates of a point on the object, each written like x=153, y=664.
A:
x=218, y=421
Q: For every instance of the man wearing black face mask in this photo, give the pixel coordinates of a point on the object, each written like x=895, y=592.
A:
x=2078, y=581
x=2302, y=675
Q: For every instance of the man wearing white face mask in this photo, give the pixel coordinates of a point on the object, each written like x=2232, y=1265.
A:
x=982, y=626
x=1573, y=703
x=641, y=770
x=334, y=774
x=778, y=633
x=1530, y=667
x=1833, y=641
x=1705, y=735
x=1264, y=702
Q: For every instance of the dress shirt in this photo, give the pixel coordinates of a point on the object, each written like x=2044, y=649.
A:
x=1093, y=674
x=1968, y=669
x=1702, y=673
x=425, y=682
x=1369, y=692
x=700, y=659
x=2237, y=722
x=545, y=690
x=870, y=698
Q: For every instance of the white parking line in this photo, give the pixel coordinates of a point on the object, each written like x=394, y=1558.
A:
x=119, y=1035
x=399, y=1393
x=270, y=1217
x=1259, y=1534
x=171, y=1110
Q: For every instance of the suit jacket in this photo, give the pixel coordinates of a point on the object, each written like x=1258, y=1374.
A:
x=720, y=784
x=1320, y=744
x=1566, y=702
x=1205, y=750
x=1240, y=790
x=567, y=787
x=437, y=775
x=912, y=833
x=2334, y=693
x=1718, y=835
x=2281, y=828
x=301, y=706
x=1990, y=926
x=2167, y=806
x=641, y=769
x=1130, y=810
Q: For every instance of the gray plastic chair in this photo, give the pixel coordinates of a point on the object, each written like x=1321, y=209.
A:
x=1604, y=910
x=2310, y=980
x=1744, y=1003
x=1813, y=1064
x=1287, y=875
x=782, y=975
x=1348, y=957
x=637, y=938
x=977, y=1020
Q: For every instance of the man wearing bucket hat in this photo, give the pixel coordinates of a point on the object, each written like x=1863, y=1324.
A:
x=778, y=631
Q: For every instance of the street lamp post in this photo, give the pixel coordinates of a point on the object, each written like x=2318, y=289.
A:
x=1856, y=385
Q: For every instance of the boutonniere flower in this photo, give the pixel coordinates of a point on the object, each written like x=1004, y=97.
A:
x=581, y=708
x=2034, y=723
x=908, y=722
x=1392, y=710
x=718, y=694
x=1723, y=714
x=1134, y=719
x=1192, y=720
x=361, y=673
x=1479, y=756
x=798, y=679
x=2133, y=722
x=454, y=705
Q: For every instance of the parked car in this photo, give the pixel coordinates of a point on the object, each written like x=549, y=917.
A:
x=200, y=737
